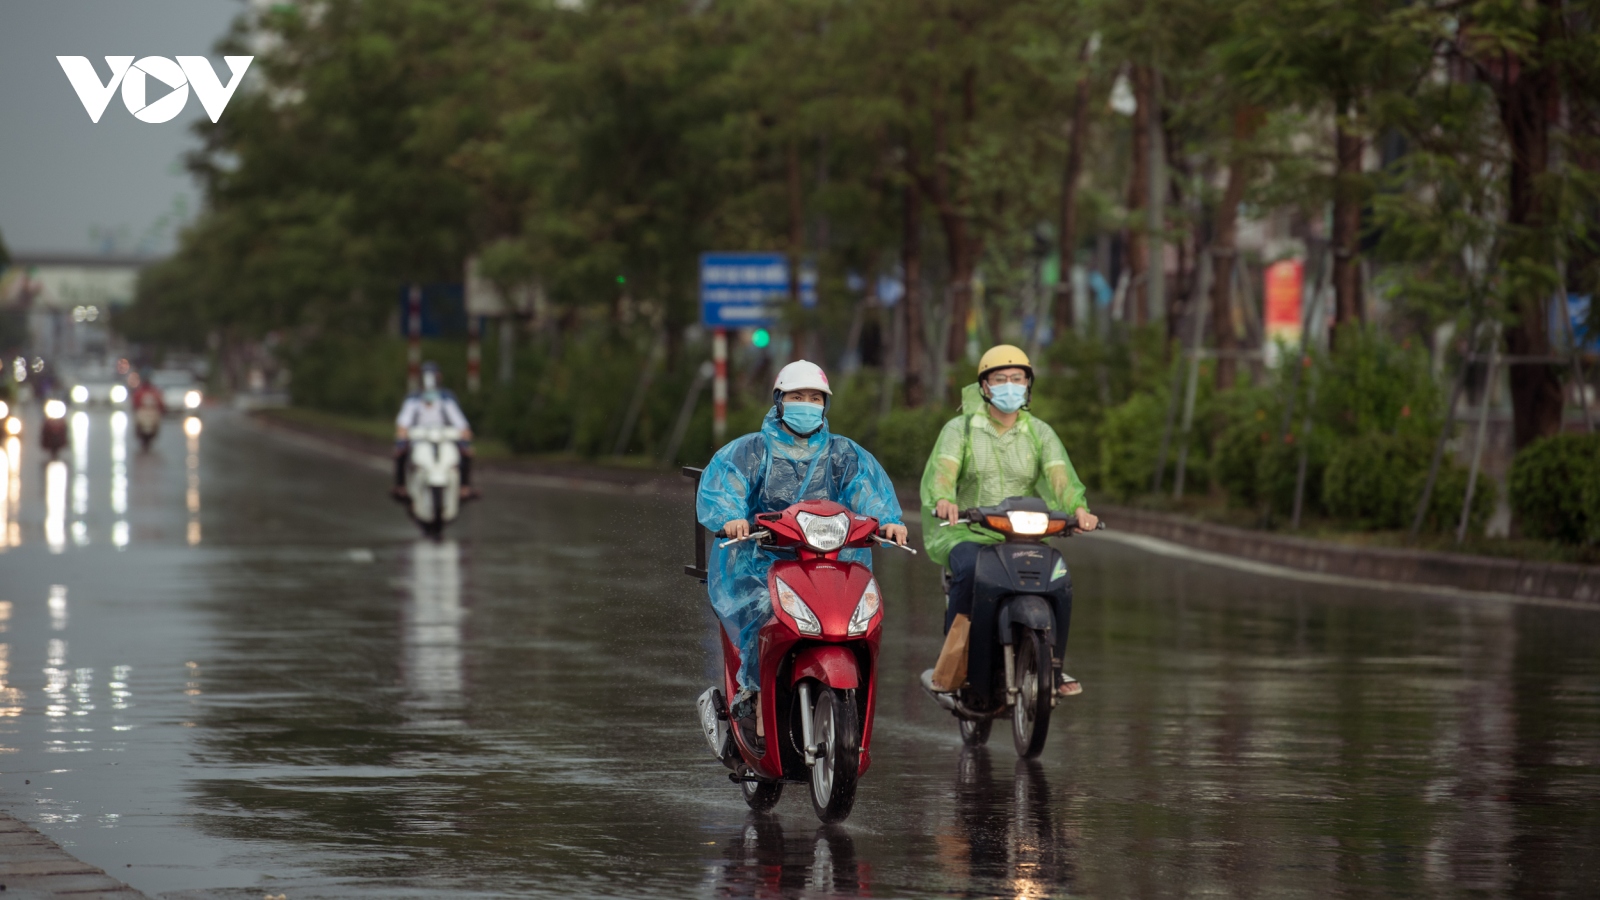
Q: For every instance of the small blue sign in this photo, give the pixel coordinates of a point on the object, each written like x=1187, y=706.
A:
x=1585, y=325
x=741, y=290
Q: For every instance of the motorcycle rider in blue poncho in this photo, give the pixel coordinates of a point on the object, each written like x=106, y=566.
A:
x=792, y=458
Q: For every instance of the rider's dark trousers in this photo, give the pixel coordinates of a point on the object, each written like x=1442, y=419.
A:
x=962, y=564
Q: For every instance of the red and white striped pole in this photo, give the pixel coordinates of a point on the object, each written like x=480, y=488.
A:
x=414, y=332
x=474, y=353
x=719, y=386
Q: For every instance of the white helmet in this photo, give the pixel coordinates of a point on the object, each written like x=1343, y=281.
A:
x=801, y=375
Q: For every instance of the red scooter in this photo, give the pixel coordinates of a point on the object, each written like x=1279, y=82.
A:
x=818, y=667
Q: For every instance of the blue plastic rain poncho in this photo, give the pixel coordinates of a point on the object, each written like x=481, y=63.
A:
x=767, y=472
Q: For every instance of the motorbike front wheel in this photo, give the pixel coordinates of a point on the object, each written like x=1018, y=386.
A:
x=975, y=734
x=434, y=527
x=1030, y=719
x=760, y=796
x=837, y=731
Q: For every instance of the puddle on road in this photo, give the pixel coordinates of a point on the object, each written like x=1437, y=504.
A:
x=510, y=712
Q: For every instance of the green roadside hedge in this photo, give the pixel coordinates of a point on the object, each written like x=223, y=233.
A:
x=1555, y=489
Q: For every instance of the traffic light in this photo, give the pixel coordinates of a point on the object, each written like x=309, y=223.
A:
x=760, y=338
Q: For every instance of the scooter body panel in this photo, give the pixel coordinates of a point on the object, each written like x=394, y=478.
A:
x=1017, y=582
x=831, y=589
x=434, y=464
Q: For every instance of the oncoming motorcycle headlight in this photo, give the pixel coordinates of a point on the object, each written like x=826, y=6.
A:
x=1028, y=523
x=803, y=617
x=866, y=609
x=55, y=409
x=824, y=533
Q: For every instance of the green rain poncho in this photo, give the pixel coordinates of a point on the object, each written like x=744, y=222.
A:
x=974, y=464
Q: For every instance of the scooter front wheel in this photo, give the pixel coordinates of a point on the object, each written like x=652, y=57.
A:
x=837, y=732
x=760, y=796
x=975, y=734
x=434, y=527
x=1030, y=718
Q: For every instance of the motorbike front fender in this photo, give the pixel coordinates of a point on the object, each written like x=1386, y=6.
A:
x=1029, y=611
x=831, y=664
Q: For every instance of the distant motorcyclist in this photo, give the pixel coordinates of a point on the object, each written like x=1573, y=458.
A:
x=792, y=458
x=148, y=408
x=994, y=450
x=432, y=407
x=146, y=394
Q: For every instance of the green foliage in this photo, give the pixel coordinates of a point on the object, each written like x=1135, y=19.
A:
x=1449, y=492
x=1370, y=478
x=1376, y=384
x=1555, y=488
x=905, y=437
x=1375, y=481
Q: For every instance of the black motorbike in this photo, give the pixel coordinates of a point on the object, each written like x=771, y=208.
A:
x=1021, y=610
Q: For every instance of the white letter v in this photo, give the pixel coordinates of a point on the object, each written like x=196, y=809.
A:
x=213, y=96
x=94, y=95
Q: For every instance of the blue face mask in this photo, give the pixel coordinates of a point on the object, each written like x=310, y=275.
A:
x=1008, y=397
x=430, y=396
x=802, y=418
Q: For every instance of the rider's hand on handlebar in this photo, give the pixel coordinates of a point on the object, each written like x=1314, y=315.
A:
x=947, y=511
x=738, y=528
x=896, y=533
x=1086, y=520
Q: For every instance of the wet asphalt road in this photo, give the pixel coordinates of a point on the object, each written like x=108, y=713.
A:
x=229, y=669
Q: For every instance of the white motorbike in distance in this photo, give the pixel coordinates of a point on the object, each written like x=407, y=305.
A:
x=433, y=478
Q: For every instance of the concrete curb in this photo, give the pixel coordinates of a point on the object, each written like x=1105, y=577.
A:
x=1567, y=583
x=33, y=866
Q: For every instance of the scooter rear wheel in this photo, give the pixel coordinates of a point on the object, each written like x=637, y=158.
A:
x=760, y=796
x=975, y=734
x=837, y=731
x=1030, y=719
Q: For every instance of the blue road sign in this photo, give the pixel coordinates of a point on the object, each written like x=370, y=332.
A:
x=741, y=290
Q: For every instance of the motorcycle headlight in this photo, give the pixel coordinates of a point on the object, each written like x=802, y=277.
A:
x=191, y=399
x=4, y=409
x=80, y=394
x=118, y=394
x=824, y=533
x=13, y=426
x=55, y=409
x=870, y=603
x=803, y=617
x=1028, y=523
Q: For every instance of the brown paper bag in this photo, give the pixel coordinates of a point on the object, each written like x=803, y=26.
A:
x=950, y=672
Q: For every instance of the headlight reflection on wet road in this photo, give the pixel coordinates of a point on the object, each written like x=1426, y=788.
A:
x=55, y=506
x=12, y=534
x=191, y=462
x=433, y=658
x=119, y=462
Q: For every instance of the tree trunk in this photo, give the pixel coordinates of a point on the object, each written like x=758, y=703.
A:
x=1225, y=248
x=1067, y=237
x=1527, y=92
x=1348, y=306
x=911, y=271
x=961, y=254
x=1134, y=307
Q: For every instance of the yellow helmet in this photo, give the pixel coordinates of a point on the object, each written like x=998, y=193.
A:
x=1004, y=356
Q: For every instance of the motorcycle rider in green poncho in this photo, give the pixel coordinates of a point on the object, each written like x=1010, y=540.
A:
x=994, y=450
